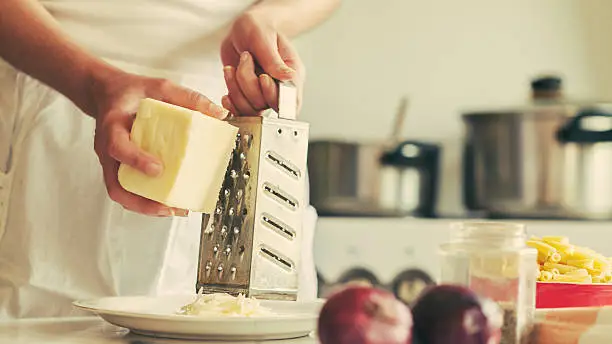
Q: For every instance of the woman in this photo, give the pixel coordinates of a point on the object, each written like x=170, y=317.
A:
x=71, y=77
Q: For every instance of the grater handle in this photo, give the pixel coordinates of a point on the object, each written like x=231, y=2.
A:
x=287, y=102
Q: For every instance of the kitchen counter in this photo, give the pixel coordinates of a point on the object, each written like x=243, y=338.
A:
x=92, y=330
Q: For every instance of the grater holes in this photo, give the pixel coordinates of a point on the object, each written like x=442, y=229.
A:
x=236, y=161
x=239, y=214
x=283, y=164
x=248, y=139
x=208, y=268
x=276, y=258
x=230, y=183
x=220, y=271
x=210, y=229
x=238, y=140
x=280, y=196
x=278, y=226
x=232, y=225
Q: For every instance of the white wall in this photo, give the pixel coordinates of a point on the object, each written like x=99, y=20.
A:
x=447, y=55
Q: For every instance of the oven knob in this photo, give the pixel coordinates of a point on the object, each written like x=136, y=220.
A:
x=359, y=276
x=409, y=284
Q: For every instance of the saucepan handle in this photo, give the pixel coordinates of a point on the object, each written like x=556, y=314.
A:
x=574, y=132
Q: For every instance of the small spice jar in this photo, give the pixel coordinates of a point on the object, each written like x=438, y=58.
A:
x=493, y=260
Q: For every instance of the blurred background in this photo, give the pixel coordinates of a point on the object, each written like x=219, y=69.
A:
x=447, y=56
x=528, y=67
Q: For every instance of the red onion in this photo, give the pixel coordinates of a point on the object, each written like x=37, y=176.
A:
x=449, y=314
x=364, y=315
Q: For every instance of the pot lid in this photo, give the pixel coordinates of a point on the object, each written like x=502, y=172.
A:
x=540, y=109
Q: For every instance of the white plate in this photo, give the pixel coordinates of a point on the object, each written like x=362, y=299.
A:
x=156, y=316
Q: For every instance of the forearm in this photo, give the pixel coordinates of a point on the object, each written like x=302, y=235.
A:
x=292, y=17
x=32, y=42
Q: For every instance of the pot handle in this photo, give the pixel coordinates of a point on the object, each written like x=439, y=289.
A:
x=469, y=177
x=572, y=131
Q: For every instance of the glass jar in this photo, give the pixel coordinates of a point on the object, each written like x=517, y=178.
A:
x=493, y=260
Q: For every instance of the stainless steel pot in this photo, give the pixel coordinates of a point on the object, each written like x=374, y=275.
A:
x=368, y=179
x=550, y=161
x=391, y=178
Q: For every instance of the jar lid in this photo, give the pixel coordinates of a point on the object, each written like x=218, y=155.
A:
x=489, y=233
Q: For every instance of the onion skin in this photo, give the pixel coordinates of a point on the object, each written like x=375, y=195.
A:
x=364, y=315
x=449, y=314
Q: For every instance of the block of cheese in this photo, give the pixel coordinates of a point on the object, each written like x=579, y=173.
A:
x=194, y=148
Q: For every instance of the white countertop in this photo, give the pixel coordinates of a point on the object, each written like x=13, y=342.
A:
x=92, y=330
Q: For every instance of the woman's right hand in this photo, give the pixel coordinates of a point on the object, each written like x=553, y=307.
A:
x=113, y=100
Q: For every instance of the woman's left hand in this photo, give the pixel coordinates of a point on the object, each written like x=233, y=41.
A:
x=253, y=54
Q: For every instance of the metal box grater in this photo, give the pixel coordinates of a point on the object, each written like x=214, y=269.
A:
x=252, y=243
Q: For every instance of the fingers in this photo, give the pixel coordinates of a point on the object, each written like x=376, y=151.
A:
x=227, y=103
x=236, y=95
x=290, y=56
x=249, y=83
x=113, y=145
x=229, y=54
x=190, y=99
x=249, y=94
x=180, y=212
x=120, y=148
x=269, y=89
x=129, y=200
x=230, y=57
x=265, y=51
x=133, y=202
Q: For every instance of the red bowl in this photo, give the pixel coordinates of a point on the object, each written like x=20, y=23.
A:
x=566, y=295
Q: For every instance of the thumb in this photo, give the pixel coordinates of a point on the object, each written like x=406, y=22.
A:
x=268, y=57
x=124, y=151
x=191, y=99
x=290, y=56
